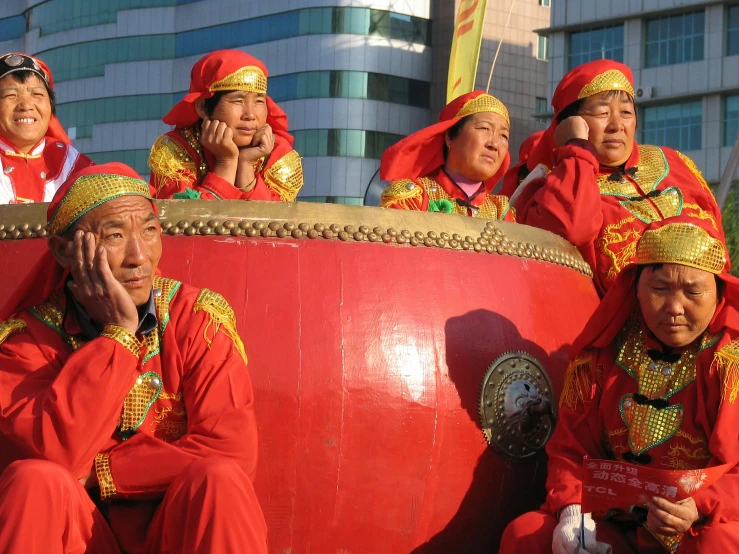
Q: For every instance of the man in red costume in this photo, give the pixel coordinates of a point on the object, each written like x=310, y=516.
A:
x=452, y=166
x=604, y=189
x=653, y=381
x=36, y=156
x=126, y=408
x=230, y=139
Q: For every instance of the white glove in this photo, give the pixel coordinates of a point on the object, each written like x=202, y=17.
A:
x=566, y=538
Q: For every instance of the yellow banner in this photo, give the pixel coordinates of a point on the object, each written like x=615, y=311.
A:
x=465, y=48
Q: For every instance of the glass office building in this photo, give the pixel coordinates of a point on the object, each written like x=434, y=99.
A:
x=685, y=58
x=353, y=80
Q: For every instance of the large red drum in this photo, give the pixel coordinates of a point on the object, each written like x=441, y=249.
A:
x=370, y=333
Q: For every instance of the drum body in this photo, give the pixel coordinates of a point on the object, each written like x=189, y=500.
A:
x=369, y=333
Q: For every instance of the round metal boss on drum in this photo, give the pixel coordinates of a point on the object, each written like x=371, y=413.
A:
x=517, y=408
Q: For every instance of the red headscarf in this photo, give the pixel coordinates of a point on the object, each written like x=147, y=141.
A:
x=80, y=193
x=422, y=153
x=227, y=70
x=581, y=82
x=55, y=130
x=681, y=240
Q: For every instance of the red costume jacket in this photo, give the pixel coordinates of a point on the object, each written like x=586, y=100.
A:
x=132, y=416
x=438, y=193
x=35, y=177
x=603, y=211
x=180, y=168
x=599, y=417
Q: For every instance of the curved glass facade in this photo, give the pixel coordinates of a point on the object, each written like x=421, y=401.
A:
x=137, y=159
x=310, y=84
x=88, y=59
x=351, y=200
x=352, y=143
x=12, y=27
x=55, y=16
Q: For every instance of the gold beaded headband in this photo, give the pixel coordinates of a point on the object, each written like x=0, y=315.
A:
x=484, y=103
x=88, y=192
x=684, y=244
x=612, y=79
x=247, y=79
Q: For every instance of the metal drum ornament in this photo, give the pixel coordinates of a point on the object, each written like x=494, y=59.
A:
x=369, y=332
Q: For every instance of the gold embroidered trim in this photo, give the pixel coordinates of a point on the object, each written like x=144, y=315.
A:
x=10, y=326
x=651, y=170
x=192, y=137
x=138, y=401
x=248, y=79
x=578, y=382
x=613, y=236
x=124, y=337
x=400, y=192
x=700, y=213
x=482, y=104
x=285, y=176
x=51, y=313
x=682, y=243
x=493, y=207
x=88, y=192
x=170, y=161
x=695, y=171
x=222, y=316
x=726, y=363
x=612, y=79
x=105, y=477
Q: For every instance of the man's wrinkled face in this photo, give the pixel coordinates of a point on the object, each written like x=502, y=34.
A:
x=25, y=111
x=479, y=149
x=611, y=117
x=677, y=302
x=128, y=229
x=244, y=113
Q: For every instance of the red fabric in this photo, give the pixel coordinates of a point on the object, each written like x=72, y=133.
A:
x=64, y=406
x=214, y=67
x=568, y=202
x=212, y=186
x=511, y=178
x=35, y=177
x=567, y=92
x=454, y=191
x=422, y=153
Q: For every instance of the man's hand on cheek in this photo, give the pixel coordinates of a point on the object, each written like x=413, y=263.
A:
x=93, y=285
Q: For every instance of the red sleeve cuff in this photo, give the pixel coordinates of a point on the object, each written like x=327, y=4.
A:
x=219, y=188
x=261, y=191
x=579, y=148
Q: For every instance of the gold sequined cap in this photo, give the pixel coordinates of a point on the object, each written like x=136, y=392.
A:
x=612, y=79
x=248, y=79
x=88, y=192
x=684, y=244
x=484, y=103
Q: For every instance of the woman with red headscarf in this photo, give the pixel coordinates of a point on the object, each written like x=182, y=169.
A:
x=452, y=166
x=653, y=381
x=591, y=183
x=230, y=139
x=36, y=156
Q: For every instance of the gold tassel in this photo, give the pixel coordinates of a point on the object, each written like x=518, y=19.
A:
x=578, y=382
x=726, y=362
x=10, y=326
x=170, y=161
x=398, y=193
x=221, y=316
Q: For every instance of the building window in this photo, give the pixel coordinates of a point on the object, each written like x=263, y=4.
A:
x=675, y=39
x=352, y=143
x=731, y=119
x=545, y=3
x=676, y=125
x=605, y=43
x=541, y=48
x=541, y=108
x=349, y=200
x=12, y=27
x=732, y=31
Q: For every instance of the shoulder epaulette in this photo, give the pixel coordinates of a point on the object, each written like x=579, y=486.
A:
x=399, y=192
x=221, y=316
x=285, y=176
x=726, y=363
x=170, y=160
x=10, y=326
x=694, y=170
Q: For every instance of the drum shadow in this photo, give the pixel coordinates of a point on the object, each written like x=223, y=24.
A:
x=501, y=489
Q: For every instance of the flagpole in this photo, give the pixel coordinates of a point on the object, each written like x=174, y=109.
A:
x=500, y=43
